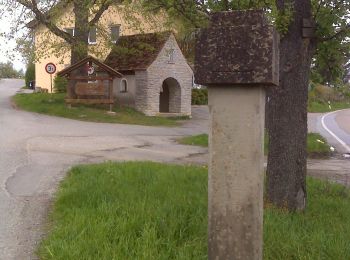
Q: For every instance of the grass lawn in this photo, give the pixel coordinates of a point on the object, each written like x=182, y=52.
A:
x=199, y=140
x=144, y=210
x=323, y=107
x=53, y=104
x=315, y=148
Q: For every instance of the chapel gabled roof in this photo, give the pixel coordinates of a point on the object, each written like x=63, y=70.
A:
x=136, y=52
x=102, y=67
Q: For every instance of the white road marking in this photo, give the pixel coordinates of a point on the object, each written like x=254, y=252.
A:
x=333, y=134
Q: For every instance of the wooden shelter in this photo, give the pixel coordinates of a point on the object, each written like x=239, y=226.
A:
x=90, y=82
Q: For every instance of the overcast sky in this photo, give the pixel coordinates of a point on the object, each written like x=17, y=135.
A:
x=6, y=45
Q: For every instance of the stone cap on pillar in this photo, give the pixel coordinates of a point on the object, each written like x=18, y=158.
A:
x=237, y=48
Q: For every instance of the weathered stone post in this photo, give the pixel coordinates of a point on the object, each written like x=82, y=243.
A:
x=236, y=57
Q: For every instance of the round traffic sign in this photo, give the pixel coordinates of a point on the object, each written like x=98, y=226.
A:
x=50, y=68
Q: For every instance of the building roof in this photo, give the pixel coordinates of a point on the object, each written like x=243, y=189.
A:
x=136, y=52
x=102, y=67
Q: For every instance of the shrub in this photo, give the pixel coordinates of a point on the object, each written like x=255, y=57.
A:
x=200, y=96
x=321, y=93
x=60, y=84
x=30, y=74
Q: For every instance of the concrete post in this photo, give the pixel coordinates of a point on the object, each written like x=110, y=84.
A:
x=236, y=57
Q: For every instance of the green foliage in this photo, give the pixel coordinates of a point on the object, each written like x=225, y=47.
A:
x=323, y=107
x=30, y=74
x=284, y=18
x=315, y=148
x=53, y=104
x=331, y=16
x=144, y=210
x=333, y=48
x=7, y=71
x=200, y=140
x=323, y=93
x=60, y=84
x=129, y=211
x=325, y=99
x=200, y=96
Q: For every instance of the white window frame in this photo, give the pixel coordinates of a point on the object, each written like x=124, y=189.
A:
x=110, y=28
x=70, y=28
x=90, y=42
x=121, y=85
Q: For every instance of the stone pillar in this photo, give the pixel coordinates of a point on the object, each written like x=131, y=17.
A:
x=237, y=58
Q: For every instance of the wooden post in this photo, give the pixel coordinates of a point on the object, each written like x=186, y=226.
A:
x=110, y=88
x=236, y=57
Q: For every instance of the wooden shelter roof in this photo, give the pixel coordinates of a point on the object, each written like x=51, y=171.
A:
x=136, y=52
x=102, y=67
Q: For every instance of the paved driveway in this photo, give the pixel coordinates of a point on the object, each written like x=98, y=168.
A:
x=36, y=151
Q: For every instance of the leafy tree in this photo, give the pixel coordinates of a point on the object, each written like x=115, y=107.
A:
x=287, y=106
x=30, y=74
x=7, y=71
x=333, y=47
x=60, y=84
x=47, y=12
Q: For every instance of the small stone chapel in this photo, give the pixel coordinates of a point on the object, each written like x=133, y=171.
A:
x=156, y=76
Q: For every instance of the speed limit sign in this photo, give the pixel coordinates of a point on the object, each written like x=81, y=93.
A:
x=50, y=68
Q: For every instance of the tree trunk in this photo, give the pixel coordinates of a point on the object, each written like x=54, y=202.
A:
x=79, y=49
x=287, y=116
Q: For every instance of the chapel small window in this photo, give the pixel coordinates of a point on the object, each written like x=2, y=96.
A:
x=124, y=86
x=115, y=32
x=172, y=56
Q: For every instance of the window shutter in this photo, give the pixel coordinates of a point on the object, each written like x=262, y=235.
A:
x=92, y=35
x=115, y=32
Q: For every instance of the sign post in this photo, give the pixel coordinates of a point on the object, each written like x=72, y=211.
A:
x=50, y=69
x=236, y=58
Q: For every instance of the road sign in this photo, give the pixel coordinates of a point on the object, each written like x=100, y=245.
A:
x=50, y=68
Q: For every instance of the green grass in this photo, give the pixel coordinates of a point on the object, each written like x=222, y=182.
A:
x=315, y=148
x=143, y=210
x=53, y=104
x=199, y=140
x=323, y=107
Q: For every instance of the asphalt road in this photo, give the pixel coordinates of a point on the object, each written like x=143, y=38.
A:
x=36, y=151
x=335, y=127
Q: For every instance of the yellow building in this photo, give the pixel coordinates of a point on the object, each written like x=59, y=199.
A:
x=116, y=21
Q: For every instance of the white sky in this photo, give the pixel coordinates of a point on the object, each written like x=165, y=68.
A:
x=6, y=45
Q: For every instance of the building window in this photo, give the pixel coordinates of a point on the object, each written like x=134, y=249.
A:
x=92, y=35
x=171, y=56
x=70, y=31
x=115, y=32
x=123, y=86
